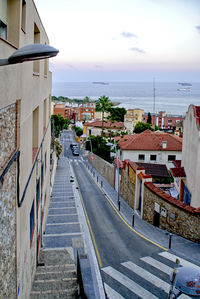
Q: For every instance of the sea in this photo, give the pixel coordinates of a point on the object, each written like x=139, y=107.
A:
x=172, y=97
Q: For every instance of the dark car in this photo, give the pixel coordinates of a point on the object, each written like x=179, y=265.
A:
x=75, y=152
x=73, y=145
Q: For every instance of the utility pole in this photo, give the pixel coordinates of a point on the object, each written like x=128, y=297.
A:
x=154, y=100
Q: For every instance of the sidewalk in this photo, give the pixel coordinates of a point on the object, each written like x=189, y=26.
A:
x=179, y=245
x=65, y=234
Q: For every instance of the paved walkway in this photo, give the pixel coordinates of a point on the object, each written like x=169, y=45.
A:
x=62, y=226
x=179, y=245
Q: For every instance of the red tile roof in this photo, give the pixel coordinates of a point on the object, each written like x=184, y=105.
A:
x=197, y=116
x=171, y=199
x=177, y=163
x=107, y=124
x=178, y=172
x=156, y=170
x=151, y=141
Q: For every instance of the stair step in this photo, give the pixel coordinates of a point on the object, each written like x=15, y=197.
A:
x=56, y=268
x=54, y=294
x=55, y=275
x=52, y=284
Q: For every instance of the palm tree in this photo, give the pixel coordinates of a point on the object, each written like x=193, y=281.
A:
x=103, y=105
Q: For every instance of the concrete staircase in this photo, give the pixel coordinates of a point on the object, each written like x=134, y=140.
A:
x=55, y=276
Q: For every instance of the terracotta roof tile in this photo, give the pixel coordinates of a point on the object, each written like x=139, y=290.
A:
x=178, y=172
x=107, y=124
x=177, y=163
x=152, y=141
x=171, y=199
x=156, y=170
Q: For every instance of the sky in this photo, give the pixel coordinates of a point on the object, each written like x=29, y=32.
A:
x=123, y=40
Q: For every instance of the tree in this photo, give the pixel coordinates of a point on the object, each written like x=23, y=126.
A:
x=117, y=114
x=140, y=127
x=58, y=123
x=149, y=118
x=78, y=131
x=99, y=147
x=103, y=105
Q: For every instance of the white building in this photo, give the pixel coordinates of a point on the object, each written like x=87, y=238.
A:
x=151, y=147
x=25, y=133
x=191, y=156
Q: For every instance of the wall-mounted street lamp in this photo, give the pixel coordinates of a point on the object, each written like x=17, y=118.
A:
x=30, y=53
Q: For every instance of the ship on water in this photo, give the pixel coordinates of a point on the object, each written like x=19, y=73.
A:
x=100, y=82
x=185, y=84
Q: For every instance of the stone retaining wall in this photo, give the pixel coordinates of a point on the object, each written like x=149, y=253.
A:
x=104, y=168
x=127, y=189
x=8, y=234
x=172, y=218
x=7, y=133
x=9, y=121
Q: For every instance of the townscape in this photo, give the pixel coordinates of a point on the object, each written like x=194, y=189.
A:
x=96, y=201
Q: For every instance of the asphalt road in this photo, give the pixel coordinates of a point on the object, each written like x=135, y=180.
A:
x=122, y=254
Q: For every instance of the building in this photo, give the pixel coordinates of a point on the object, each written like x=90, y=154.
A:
x=164, y=121
x=151, y=147
x=25, y=132
x=99, y=115
x=132, y=117
x=191, y=156
x=110, y=128
x=80, y=113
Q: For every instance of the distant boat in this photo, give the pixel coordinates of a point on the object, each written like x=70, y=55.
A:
x=103, y=83
x=184, y=89
x=185, y=84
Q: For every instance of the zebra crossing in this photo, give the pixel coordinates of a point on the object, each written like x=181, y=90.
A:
x=134, y=278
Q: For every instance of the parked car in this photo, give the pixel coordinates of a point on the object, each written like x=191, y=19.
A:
x=73, y=145
x=75, y=152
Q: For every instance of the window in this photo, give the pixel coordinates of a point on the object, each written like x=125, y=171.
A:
x=36, y=64
x=23, y=18
x=45, y=162
x=44, y=115
x=9, y=17
x=3, y=18
x=141, y=157
x=90, y=132
x=38, y=193
x=32, y=222
x=171, y=158
x=35, y=133
x=153, y=157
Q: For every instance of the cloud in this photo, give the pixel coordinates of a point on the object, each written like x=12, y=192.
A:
x=99, y=66
x=126, y=34
x=137, y=50
x=198, y=28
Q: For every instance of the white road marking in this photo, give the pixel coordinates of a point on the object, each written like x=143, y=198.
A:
x=128, y=283
x=173, y=258
x=112, y=294
x=159, y=283
x=158, y=265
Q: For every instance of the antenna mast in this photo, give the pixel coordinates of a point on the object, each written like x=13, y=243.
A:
x=154, y=102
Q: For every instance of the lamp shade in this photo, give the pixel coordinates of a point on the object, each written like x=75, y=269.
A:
x=32, y=52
